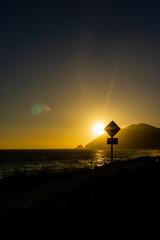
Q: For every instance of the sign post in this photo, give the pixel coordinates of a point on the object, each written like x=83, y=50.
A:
x=112, y=128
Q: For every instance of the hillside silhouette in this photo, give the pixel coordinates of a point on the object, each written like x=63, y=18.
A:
x=135, y=136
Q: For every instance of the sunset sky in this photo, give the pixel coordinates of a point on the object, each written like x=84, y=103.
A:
x=66, y=65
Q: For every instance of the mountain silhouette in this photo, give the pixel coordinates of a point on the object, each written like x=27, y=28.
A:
x=135, y=136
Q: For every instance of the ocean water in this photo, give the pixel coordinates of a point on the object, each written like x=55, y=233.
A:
x=63, y=159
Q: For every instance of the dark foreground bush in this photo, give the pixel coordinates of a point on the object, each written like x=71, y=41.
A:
x=45, y=202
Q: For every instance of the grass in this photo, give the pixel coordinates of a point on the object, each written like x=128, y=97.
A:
x=44, y=201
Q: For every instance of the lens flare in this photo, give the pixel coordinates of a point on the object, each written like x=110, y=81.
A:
x=37, y=109
x=45, y=108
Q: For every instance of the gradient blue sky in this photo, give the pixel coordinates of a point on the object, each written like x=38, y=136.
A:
x=65, y=65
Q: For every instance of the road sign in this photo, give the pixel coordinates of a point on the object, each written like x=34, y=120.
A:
x=112, y=140
x=112, y=128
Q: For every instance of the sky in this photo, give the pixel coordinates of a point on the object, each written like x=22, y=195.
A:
x=66, y=65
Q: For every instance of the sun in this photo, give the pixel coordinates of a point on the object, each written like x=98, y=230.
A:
x=98, y=128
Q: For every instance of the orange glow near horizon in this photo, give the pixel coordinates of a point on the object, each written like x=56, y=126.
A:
x=42, y=134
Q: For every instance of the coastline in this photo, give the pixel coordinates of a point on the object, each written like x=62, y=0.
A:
x=37, y=201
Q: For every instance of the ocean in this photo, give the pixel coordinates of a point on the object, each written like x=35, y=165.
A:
x=63, y=159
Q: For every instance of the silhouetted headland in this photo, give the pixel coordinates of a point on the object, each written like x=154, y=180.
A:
x=79, y=147
x=135, y=136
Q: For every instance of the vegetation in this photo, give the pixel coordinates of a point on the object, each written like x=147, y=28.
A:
x=44, y=201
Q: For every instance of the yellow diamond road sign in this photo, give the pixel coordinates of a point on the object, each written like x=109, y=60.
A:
x=112, y=128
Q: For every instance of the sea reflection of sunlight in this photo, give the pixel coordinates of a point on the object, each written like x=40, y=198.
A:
x=100, y=158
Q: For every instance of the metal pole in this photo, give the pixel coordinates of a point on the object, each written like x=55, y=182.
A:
x=112, y=150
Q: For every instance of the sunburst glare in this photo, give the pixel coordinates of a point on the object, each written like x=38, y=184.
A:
x=98, y=128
